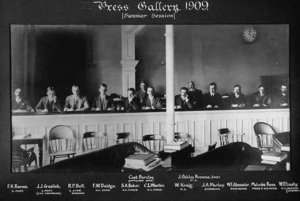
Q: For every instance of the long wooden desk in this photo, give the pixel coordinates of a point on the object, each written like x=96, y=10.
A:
x=202, y=126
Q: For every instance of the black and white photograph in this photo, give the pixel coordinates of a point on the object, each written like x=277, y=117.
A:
x=82, y=92
x=150, y=102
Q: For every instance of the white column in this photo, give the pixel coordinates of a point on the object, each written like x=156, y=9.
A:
x=128, y=61
x=128, y=75
x=170, y=120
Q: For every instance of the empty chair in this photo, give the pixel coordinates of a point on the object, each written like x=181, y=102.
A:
x=94, y=141
x=61, y=143
x=154, y=142
x=224, y=135
x=20, y=158
x=125, y=137
x=17, y=164
x=264, y=135
x=122, y=137
x=183, y=136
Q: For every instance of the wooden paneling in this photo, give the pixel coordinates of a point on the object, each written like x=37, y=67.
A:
x=201, y=125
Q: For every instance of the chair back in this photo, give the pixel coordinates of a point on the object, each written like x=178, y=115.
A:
x=94, y=141
x=237, y=137
x=262, y=127
x=224, y=135
x=183, y=136
x=264, y=135
x=17, y=162
x=122, y=137
x=154, y=142
x=61, y=138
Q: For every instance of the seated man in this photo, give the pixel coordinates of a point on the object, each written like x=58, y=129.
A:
x=132, y=102
x=141, y=93
x=76, y=102
x=103, y=102
x=260, y=98
x=19, y=104
x=212, y=99
x=282, y=98
x=151, y=102
x=237, y=99
x=195, y=95
x=49, y=103
x=183, y=101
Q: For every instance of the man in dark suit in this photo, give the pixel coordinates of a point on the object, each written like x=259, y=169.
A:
x=132, y=102
x=260, y=98
x=183, y=101
x=151, y=102
x=49, y=103
x=195, y=95
x=103, y=102
x=213, y=99
x=19, y=104
x=282, y=98
x=141, y=93
x=237, y=99
x=76, y=102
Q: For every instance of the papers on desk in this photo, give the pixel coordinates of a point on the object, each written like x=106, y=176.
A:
x=156, y=162
x=169, y=150
x=178, y=145
x=29, y=136
x=274, y=156
x=285, y=147
x=269, y=162
x=140, y=159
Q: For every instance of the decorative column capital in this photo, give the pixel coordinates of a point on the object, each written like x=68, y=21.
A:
x=129, y=65
x=128, y=75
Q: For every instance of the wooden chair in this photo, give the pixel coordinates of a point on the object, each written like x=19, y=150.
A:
x=154, y=142
x=19, y=159
x=122, y=137
x=94, y=141
x=183, y=136
x=227, y=137
x=22, y=157
x=61, y=143
x=125, y=137
x=224, y=135
x=237, y=137
x=264, y=135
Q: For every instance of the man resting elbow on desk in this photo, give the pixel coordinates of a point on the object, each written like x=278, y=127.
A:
x=132, y=102
x=183, y=101
x=48, y=103
x=76, y=102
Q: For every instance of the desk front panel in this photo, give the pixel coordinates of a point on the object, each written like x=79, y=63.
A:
x=201, y=125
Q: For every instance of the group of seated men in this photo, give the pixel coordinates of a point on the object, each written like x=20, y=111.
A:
x=146, y=99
